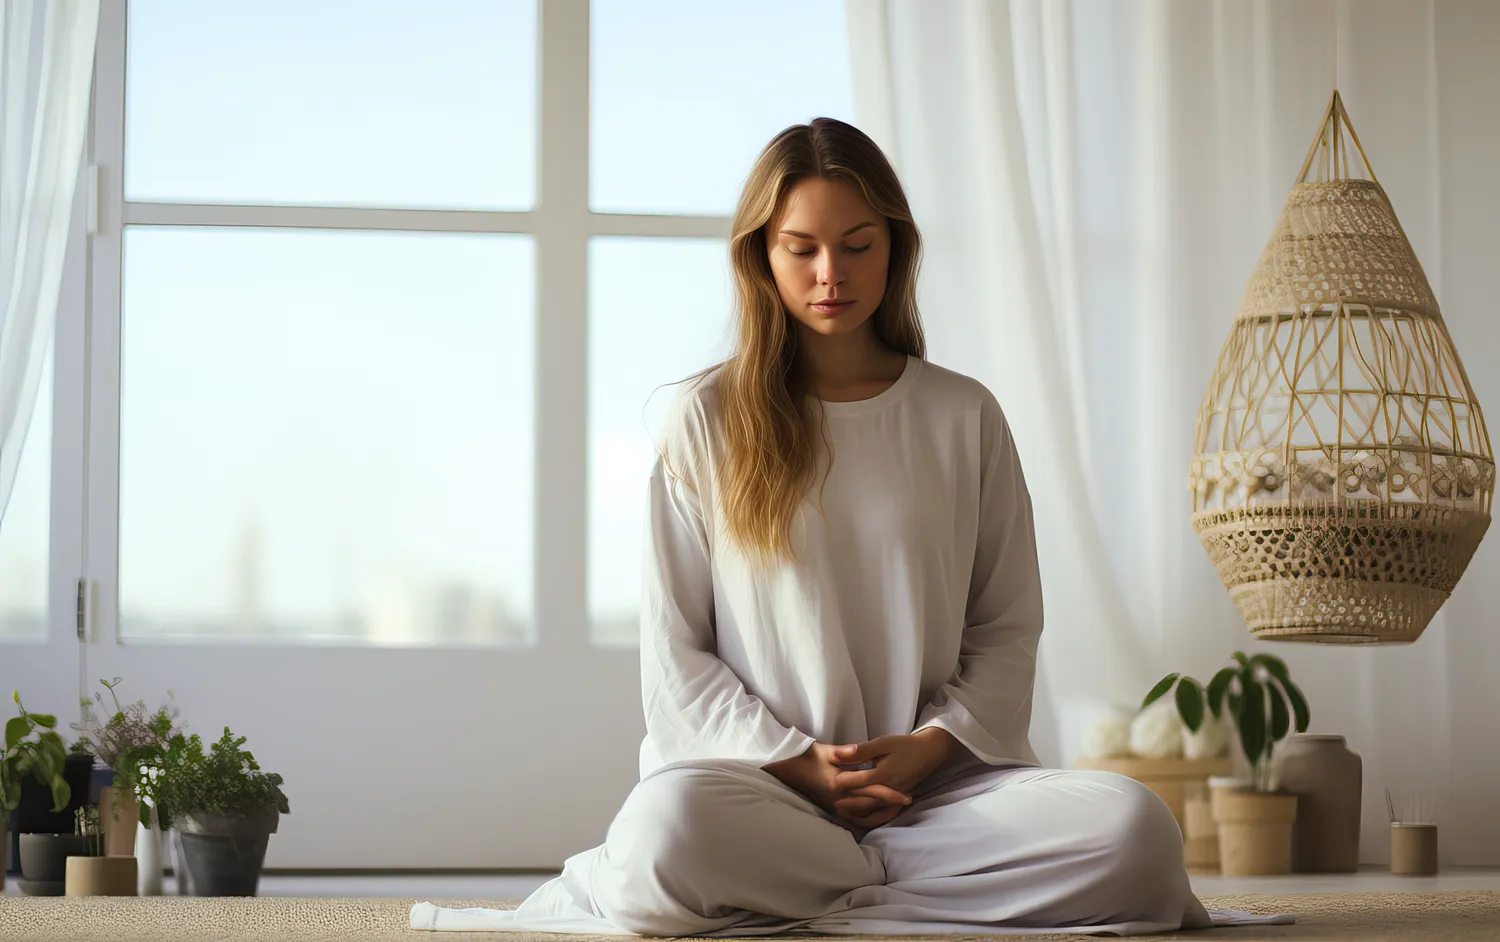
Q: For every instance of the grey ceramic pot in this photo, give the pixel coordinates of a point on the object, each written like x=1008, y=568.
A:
x=44, y=861
x=224, y=854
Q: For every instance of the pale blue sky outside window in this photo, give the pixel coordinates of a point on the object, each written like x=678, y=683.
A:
x=685, y=93
x=388, y=103
x=325, y=435
x=328, y=435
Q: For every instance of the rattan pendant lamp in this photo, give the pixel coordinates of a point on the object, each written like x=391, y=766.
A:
x=1342, y=473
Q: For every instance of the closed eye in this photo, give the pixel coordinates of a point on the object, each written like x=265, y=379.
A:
x=851, y=249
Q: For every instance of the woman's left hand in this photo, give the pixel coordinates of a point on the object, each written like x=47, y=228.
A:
x=901, y=762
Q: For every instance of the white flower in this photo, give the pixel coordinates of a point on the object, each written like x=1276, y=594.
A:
x=1156, y=732
x=1108, y=736
x=1210, y=741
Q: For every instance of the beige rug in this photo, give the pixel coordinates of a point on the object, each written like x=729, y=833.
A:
x=1371, y=917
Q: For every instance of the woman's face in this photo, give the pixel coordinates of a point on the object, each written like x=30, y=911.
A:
x=829, y=251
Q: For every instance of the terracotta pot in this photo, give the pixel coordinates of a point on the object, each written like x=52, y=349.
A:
x=119, y=829
x=1171, y=779
x=1255, y=830
x=1327, y=779
x=101, y=876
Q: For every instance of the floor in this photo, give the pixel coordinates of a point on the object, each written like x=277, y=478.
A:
x=517, y=886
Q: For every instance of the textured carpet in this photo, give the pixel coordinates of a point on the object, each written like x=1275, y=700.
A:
x=1371, y=917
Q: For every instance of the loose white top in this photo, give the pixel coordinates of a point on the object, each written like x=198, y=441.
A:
x=914, y=599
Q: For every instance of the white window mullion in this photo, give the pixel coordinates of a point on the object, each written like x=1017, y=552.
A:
x=562, y=232
x=102, y=361
x=672, y=227
x=327, y=217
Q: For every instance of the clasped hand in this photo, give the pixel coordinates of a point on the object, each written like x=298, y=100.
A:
x=869, y=797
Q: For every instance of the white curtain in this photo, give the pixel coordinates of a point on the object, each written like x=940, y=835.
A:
x=1095, y=180
x=46, y=64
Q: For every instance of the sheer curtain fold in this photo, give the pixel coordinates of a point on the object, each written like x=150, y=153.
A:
x=46, y=68
x=1095, y=180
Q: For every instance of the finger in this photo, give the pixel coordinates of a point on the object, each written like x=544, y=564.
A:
x=884, y=793
x=859, y=779
x=846, y=807
x=877, y=818
x=863, y=751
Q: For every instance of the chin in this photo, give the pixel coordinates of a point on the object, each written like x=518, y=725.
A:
x=845, y=323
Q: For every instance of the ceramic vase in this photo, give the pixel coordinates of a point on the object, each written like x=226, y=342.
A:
x=148, y=858
x=1327, y=779
x=120, y=816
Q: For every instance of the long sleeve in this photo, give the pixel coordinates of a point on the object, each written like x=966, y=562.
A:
x=987, y=703
x=695, y=705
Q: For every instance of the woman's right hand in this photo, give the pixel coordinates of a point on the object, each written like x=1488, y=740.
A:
x=813, y=773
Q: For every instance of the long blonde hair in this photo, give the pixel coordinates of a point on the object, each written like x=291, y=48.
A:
x=772, y=425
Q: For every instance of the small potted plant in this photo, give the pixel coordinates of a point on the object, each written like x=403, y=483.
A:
x=89, y=871
x=1254, y=819
x=223, y=806
x=130, y=736
x=33, y=766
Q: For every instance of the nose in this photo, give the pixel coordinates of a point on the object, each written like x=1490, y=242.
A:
x=830, y=273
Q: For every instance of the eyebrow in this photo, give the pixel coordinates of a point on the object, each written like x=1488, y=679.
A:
x=803, y=235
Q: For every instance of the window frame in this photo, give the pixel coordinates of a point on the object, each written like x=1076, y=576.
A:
x=561, y=225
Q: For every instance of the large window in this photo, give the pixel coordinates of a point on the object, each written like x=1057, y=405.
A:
x=403, y=300
x=346, y=466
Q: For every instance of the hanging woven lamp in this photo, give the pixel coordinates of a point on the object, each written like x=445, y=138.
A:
x=1342, y=473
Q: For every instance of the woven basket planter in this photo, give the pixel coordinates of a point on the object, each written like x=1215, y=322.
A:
x=1342, y=472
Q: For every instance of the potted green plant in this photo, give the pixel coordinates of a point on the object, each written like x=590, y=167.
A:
x=223, y=806
x=35, y=760
x=124, y=739
x=1254, y=818
x=89, y=871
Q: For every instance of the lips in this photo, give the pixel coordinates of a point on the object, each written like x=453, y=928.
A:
x=831, y=307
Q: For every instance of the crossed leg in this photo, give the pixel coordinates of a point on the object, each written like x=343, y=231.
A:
x=729, y=850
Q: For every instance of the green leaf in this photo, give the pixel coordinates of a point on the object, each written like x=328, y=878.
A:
x=1273, y=664
x=1162, y=686
x=1300, y=710
x=16, y=729
x=1190, y=703
x=46, y=720
x=10, y=796
x=1280, y=719
x=1217, y=688
x=62, y=793
x=1240, y=656
x=1252, y=720
x=44, y=768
